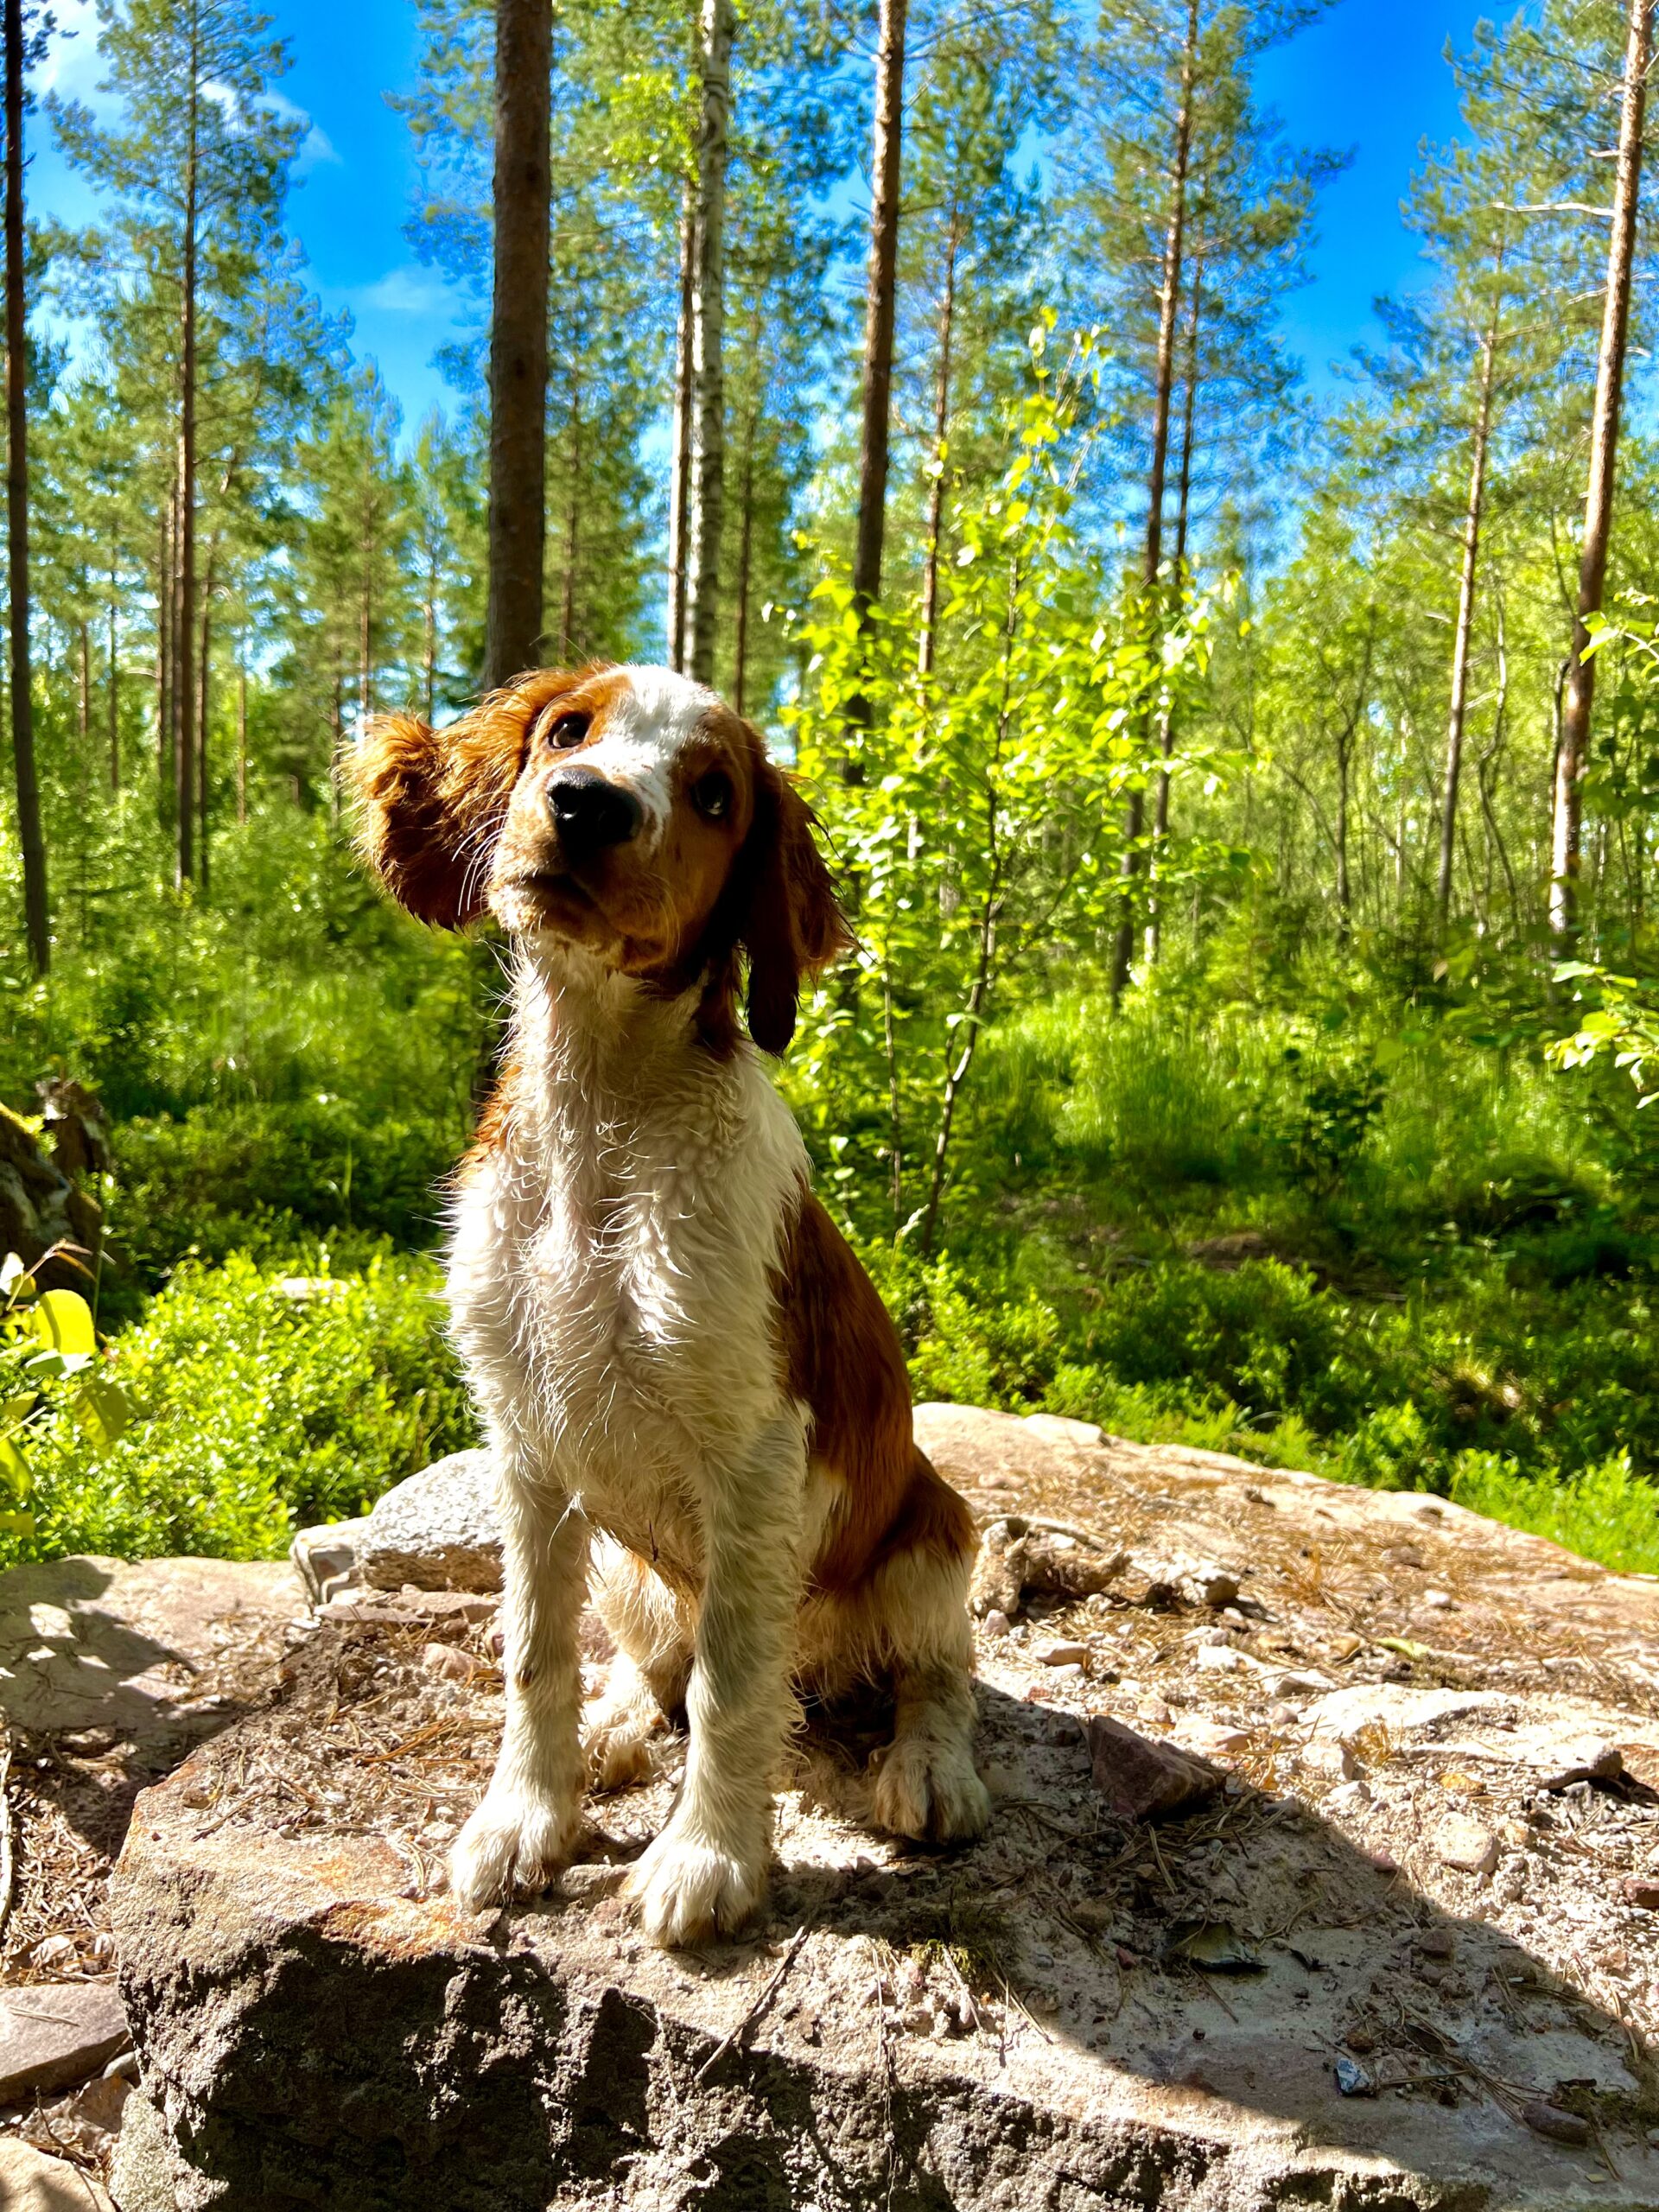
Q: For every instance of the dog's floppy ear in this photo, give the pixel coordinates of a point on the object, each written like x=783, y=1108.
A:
x=792, y=925
x=430, y=802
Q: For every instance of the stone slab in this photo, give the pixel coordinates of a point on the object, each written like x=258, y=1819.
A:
x=54, y=2035
x=437, y=1530
x=31, y=2182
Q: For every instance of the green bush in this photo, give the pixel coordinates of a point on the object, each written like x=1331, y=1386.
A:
x=264, y=1398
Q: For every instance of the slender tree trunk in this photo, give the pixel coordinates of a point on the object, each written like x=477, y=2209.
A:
x=1183, y=513
x=184, y=681
x=745, y=561
x=1573, y=752
x=365, y=625
x=30, y=838
x=165, y=781
x=1344, y=886
x=517, y=524
x=114, y=701
x=572, y=529
x=429, y=644
x=705, y=505
x=927, y=644
x=1163, y=387
x=204, y=703
x=1464, y=633
x=84, y=701
x=679, y=481
x=886, y=162
x=242, y=732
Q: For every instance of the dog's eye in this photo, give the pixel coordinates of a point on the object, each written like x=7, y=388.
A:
x=562, y=731
x=712, y=795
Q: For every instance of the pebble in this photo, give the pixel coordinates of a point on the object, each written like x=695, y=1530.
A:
x=1560, y=2126
x=1641, y=1891
x=1061, y=1655
x=1300, y=1682
x=1215, y=1736
x=52, y=1951
x=1284, y=1716
x=1352, y=2080
x=448, y=1661
x=1335, y=1761
x=1439, y=1601
x=1155, y=1709
x=996, y=1623
x=1219, y=1659
x=1438, y=1943
x=1465, y=1844
x=1350, y=1797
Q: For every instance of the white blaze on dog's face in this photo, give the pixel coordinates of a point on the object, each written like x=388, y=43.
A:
x=634, y=796
x=625, y=810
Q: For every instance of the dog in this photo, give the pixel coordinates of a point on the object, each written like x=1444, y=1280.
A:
x=690, y=1389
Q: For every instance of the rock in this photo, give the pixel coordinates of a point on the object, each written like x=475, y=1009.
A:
x=437, y=1530
x=1210, y=1586
x=1352, y=2080
x=1349, y=1798
x=40, y=1204
x=448, y=1661
x=1592, y=1761
x=1220, y=1659
x=138, y=1649
x=1465, y=1844
x=31, y=2182
x=288, y=1878
x=997, y=1622
x=1560, y=2126
x=325, y=1558
x=1018, y=1558
x=1219, y=1738
x=1300, y=1683
x=1061, y=1655
x=1334, y=1761
x=1641, y=1891
x=54, y=2034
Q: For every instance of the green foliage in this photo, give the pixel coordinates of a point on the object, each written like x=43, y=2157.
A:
x=261, y=1400
x=48, y=1357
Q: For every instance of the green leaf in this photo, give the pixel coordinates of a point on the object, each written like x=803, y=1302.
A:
x=102, y=1412
x=14, y=1467
x=16, y=1524
x=63, y=1322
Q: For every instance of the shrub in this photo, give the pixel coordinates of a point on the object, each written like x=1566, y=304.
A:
x=262, y=1401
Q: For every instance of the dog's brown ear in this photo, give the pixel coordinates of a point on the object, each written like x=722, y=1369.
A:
x=793, y=926
x=430, y=804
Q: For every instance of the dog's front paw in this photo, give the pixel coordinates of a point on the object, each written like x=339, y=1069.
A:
x=690, y=1890
x=929, y=1790
x=515, y=1843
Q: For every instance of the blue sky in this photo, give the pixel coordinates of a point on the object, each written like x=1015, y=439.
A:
x=1369, y=77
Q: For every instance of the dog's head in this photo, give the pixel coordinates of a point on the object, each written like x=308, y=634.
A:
x=625, y=811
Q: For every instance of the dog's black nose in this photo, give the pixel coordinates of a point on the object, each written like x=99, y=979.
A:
x=589, y=812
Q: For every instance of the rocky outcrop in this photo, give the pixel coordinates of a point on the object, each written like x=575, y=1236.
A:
x=1389, y=1950
x=40, y=1203
x=437, y=1530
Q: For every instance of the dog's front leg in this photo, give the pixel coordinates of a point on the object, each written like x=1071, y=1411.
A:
x=521, y=1834
x=707, y=1873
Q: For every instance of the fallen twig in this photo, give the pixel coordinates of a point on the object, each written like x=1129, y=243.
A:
x=731, y=2041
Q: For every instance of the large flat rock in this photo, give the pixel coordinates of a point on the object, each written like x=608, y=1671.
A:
x=54, y=2035
x=1080, y=2010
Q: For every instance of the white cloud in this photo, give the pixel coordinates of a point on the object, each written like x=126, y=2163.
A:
x=408, y=290
x=72, y=64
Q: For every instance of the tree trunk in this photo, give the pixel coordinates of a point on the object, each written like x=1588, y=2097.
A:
x=184, y=679
x=1163, y=386
x=204, y=676
x=704, y=501
x=1573, y=752
x=36, y=920
x=572, y=531
x=679, y=480
x=925, y=643
x=1464, y=633
x=744, y=562
x=879, y=305
x=1183, y=512
x=517, y=524
x=241, y=735
x=366, y=619
x=165, y=778
x=84, y=699
x=115, y=689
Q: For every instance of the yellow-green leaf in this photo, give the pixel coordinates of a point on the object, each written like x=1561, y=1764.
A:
x=102, y=1413
x=16, y=1524
x=13, y=1468
x=63, y=1321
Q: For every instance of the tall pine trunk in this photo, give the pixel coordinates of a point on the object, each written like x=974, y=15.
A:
x=30, y=838
x=705, y=490
x=572, y=529
x=744, y=563
x=518, y=521
x=927, y=644
x=1163, y=388
x=204, y=707
x=1572, y=751
x=184, y=678
x=1464, y=633
x=1183, y=515
x=886, y=161
x=679, y=477
x=242, y=731
x=165, y=779
x=114, y=700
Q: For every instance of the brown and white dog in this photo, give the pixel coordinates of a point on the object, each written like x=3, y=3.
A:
x=682, y=1368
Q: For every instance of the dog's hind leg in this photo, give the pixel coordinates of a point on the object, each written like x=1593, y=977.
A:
x=915, y=1609
x=652, y=1630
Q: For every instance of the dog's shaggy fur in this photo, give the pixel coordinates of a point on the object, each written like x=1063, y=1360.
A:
x=689, y=1386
